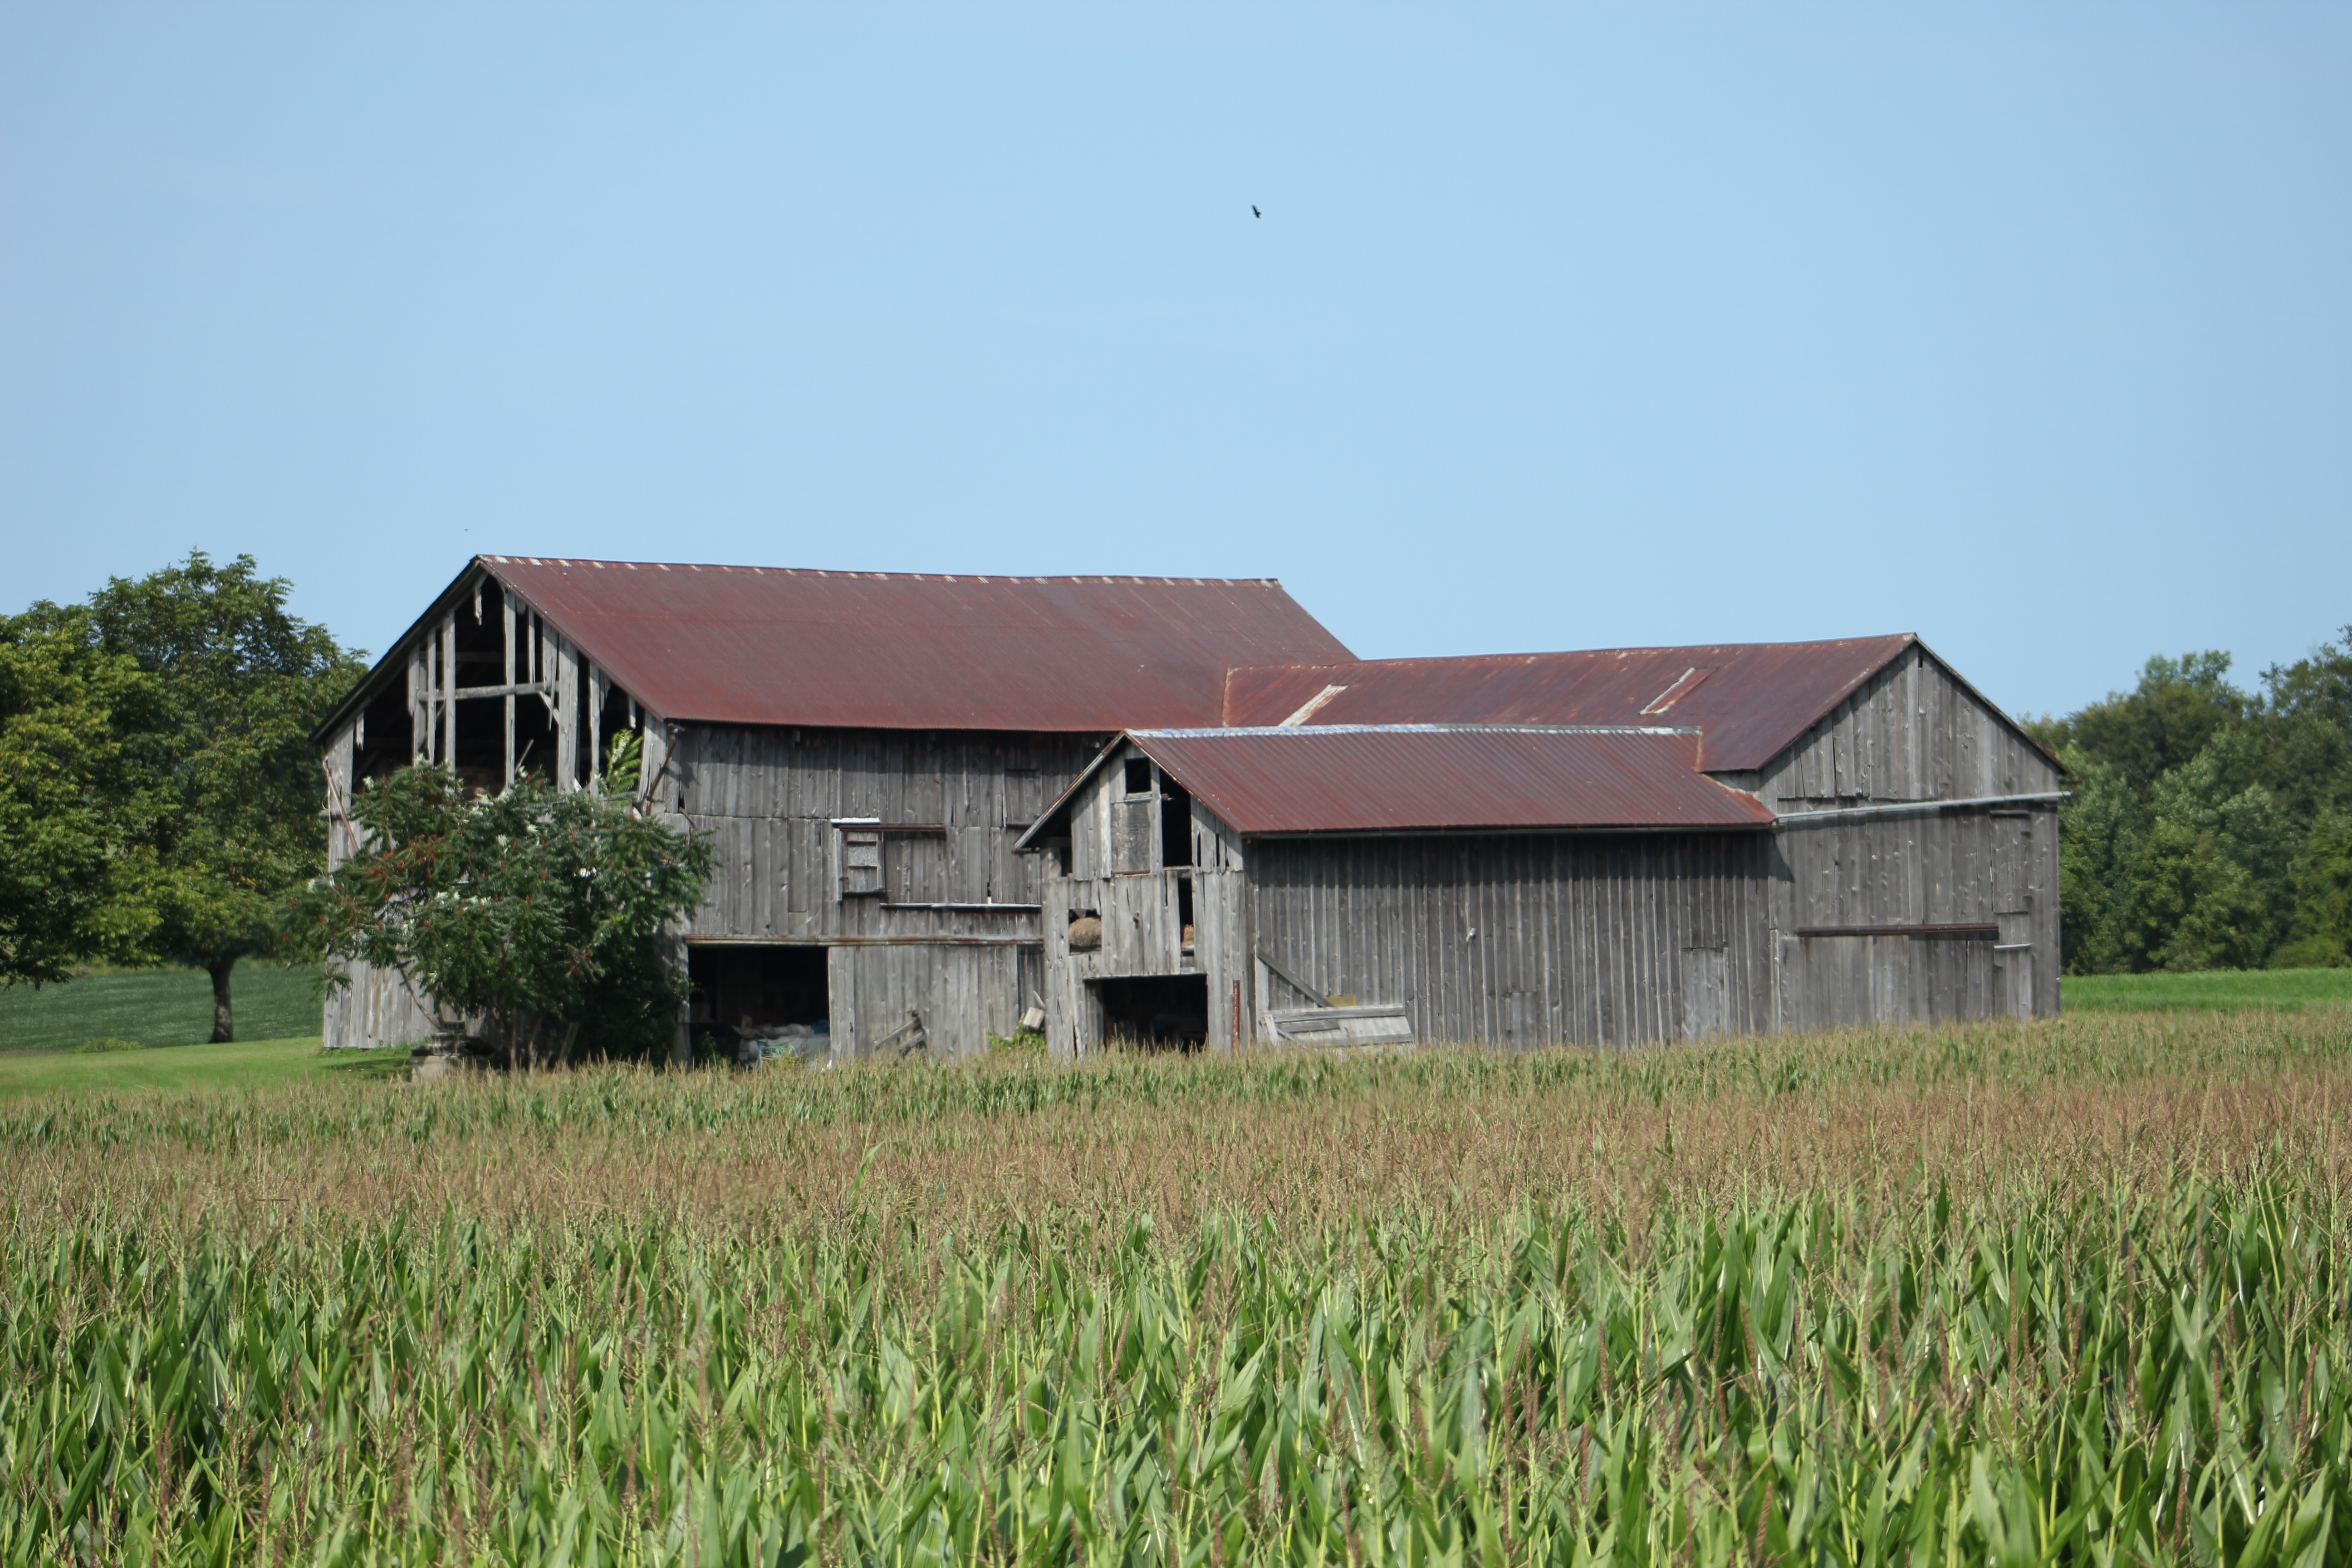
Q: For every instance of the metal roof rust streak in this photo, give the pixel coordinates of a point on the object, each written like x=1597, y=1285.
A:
x=764, y=644
x=1358, y=779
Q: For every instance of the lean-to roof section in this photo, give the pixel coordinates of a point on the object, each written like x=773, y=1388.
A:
x=1750, y=699
x=747, y=645
x=1353, y=778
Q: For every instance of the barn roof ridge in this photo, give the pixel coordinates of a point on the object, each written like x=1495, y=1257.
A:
x=1527, y=656
x=853, y=574
x=1222, y=732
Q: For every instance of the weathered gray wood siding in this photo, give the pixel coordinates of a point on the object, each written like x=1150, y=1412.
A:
x=771, y=800
x=1913, y=732
x=1521, y=940
x=377, y=1007
x=1952, y=866
x=961, y=994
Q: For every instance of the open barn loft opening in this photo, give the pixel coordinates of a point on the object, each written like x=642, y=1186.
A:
x=948, y=806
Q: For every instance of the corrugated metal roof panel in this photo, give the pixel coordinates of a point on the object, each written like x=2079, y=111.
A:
x=1347, y=778
x=1751, y=699
x=748, y=645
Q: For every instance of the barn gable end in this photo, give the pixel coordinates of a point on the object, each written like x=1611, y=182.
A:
x=1913, y=731
x=1887, y=907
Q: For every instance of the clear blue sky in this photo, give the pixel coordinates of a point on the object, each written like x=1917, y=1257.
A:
x=2025, y=328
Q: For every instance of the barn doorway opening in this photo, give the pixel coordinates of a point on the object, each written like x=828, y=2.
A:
x=755, y=996
x=1154, y=1012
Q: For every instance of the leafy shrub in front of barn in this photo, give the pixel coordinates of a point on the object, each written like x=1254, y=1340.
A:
x=534, y=912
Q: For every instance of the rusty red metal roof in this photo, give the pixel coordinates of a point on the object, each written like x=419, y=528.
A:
x=1357, y=778
x=1750, y=699
x=755, y=645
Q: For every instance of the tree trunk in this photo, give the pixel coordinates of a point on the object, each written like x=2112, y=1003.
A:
x=224, y=1031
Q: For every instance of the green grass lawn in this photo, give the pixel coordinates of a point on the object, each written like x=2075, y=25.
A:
x=241, y=1065
x=158, y=1007
x=2222, y=990
x=170, y=1011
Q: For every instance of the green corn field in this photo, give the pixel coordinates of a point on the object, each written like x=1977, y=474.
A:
x=2066, y=1292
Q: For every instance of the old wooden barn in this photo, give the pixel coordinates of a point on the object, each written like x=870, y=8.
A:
x=863, y=747
x=1178, y=808
x=1614, y=846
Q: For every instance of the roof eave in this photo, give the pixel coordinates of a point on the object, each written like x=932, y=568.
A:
x=1516, y=830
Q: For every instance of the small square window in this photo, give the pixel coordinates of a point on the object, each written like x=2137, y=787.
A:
x=1139, y=775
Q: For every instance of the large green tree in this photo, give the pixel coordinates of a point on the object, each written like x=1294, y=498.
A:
x=74, y=812
x=228, y=785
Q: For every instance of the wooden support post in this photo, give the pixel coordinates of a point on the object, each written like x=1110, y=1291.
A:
x=420, y=703
x=567, y=712
x=673, y=953
x=510, y=614
x=597, y=686
x=656, y=758
x=448, y=691
x=339, y=841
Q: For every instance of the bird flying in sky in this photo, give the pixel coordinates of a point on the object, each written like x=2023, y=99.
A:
x=1254, y=212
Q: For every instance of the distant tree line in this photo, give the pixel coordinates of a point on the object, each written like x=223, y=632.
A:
x=2210, y=827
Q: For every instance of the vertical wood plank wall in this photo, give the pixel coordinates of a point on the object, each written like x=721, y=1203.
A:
x=1524, y=939
x=962, y=995
x=1963, y=865
x=769, y=799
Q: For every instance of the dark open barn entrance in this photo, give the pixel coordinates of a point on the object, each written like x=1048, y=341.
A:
x=1165, y=1012
x=762, y=985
